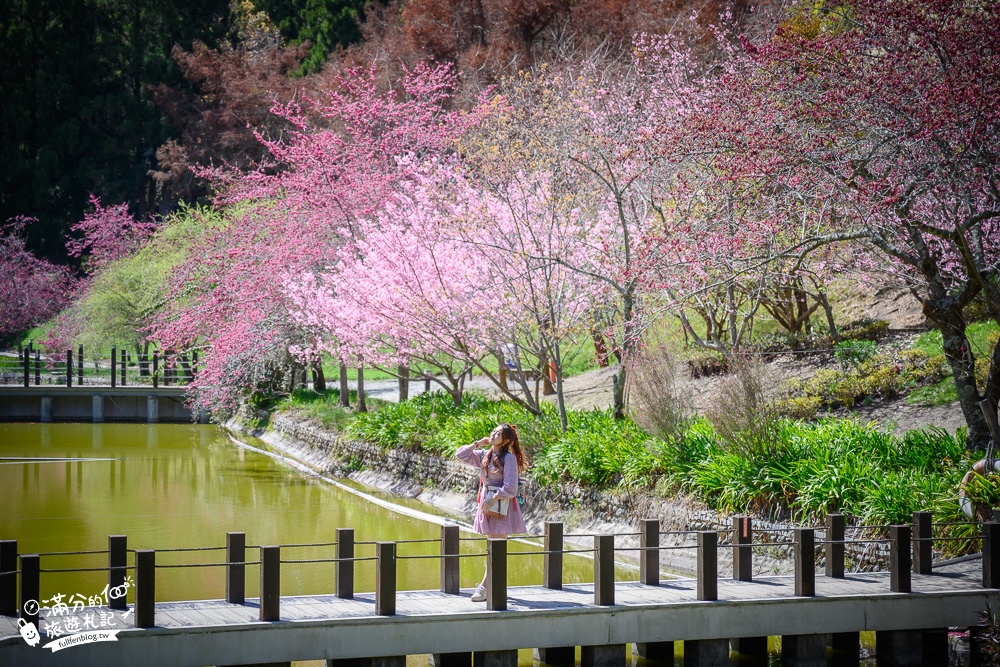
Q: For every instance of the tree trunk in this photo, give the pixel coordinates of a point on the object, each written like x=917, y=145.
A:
x=404, y=382
x=502, y=371
x=731, y=306
x=362, y=406
x=627, y=347
x=828, y=310
x=958, y=353
x=600, y=347
x=543, y=367
x=993, y=380
x=345, y=392
x=560, y=396
x=319, y=380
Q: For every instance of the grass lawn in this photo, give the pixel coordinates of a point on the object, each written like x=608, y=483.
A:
x=980, y=334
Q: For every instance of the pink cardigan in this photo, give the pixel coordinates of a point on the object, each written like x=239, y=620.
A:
x=507, y=481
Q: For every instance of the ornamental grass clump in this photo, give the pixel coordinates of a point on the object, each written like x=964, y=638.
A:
x=655, y=401
x=743, y=411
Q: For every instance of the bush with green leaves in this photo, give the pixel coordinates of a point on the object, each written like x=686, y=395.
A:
x=865, y=329
x=851, y=353
x=880, y=376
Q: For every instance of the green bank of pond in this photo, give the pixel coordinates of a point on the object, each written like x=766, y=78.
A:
x=793, y=469
x=66, y=487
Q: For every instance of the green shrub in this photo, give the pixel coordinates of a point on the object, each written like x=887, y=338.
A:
x=880, y=376
x=799, y=407
x=784, y=341
x=850, y=353
x=865, y=329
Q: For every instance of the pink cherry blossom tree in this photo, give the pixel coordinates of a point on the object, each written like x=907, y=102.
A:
x=32, y=290
x=108, y=233
x=295, y=216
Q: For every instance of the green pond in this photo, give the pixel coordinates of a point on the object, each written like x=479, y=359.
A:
x=66, y=487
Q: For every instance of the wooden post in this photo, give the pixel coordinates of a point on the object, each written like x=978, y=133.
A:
x=117, y=561
x=156, y=369
x=69, y=368
x=79, y=365
x=38, y=368
x=708, y=565
x=552, y=565
x=742, y=551
x=835, y=545
x=604, y=570
x=145, y=588
x=449, y=560
x=8, y=573
x=991, y=554
x=385, y=578
x=922, y=542
x=427, y=383
x=124, y=365
x=194, y=365
x=805, y=562
x=27, y=366
x=30, y=587
x=236, y=571
x=496, y=574
x=270, y=583
x=899, y=559
x=649, y=558
x=344, y=570
x=114, y=367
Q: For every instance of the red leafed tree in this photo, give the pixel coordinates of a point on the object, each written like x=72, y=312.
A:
x=31, y=289
x=488, y=39
x=890, y=112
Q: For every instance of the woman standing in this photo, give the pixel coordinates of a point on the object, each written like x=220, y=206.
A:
x=500, y=460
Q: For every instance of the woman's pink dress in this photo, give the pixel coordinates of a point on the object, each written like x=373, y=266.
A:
x=507, y=481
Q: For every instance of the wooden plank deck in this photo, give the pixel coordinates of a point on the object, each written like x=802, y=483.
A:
x=212, y=613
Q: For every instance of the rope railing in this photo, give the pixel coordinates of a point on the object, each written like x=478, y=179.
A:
x=106, y=568
x=331, y=560
x=73, y=553
x=179, y=565
x=180, y=549
x=906, y=544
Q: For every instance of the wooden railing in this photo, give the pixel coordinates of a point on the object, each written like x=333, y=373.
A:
x=910, y=548
x=122, y=368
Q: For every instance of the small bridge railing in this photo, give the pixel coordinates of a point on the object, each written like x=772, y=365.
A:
x=122, y=368
x=910, y=548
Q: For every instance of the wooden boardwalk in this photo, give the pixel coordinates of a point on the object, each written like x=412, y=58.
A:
x=208, y=613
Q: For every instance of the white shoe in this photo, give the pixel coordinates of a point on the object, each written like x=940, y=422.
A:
x=480, y=594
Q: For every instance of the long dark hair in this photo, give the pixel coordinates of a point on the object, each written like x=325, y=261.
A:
x=511, y=445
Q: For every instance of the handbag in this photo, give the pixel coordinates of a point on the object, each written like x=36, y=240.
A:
x=496, y=508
